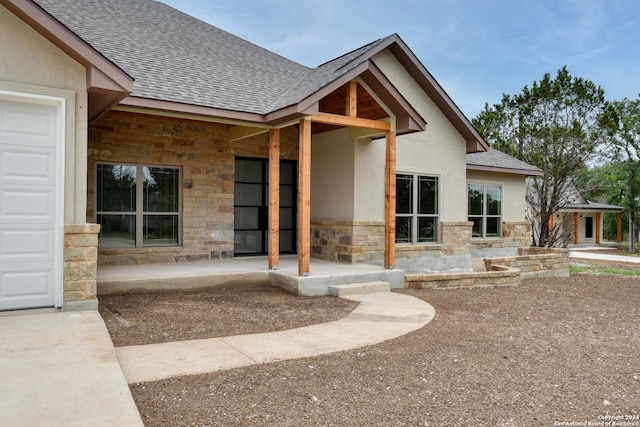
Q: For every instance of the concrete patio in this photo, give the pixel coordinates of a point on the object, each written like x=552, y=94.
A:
x=175, y=276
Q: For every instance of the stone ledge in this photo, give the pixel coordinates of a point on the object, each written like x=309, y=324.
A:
x=81, y=228
x=501, y=275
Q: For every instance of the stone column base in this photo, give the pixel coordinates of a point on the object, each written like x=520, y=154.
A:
x=80, y=266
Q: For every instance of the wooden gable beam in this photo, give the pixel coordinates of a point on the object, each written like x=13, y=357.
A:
x=338, y=120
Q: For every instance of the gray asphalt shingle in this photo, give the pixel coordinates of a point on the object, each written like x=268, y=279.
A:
x=498, y=159
x=175, y=57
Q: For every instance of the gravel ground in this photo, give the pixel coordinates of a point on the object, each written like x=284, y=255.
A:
x=547, y=352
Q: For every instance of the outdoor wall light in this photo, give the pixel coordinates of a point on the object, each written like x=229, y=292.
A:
x=188, y=183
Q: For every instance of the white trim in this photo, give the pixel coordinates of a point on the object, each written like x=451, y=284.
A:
x=60, y=104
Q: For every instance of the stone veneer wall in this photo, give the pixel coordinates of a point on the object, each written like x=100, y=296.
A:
x=349, y=242
x=80, y=263
x=536, y=262
x=498, y=276
x=206, y=157
x=355, y=242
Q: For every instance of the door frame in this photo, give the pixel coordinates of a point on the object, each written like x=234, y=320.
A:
x=60, y=105
x=265, y=206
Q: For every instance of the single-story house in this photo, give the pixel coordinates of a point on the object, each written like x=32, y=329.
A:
x=582, y=221
x=131, y=132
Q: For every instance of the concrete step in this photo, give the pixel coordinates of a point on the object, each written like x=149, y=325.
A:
x=359, y=288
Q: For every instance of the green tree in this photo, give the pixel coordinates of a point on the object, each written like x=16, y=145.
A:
x=555, y=125
x=623, y=121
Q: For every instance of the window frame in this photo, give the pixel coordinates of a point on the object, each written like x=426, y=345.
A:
x=414, y=215
x=484, y=216
x=140, y=213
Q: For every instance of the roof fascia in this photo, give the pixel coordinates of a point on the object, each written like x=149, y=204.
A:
x=195, y=112
x=527, y=172
x=107, y=84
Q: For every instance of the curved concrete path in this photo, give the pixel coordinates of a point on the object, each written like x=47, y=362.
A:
x=379, y=316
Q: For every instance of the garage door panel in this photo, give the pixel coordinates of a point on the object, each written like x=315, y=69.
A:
x=24, y=165
x=31, y=169
x=19, y=205
x=26, y=285
x=26, y=243
x=27, y=123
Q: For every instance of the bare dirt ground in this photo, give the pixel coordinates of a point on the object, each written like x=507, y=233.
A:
x=549, y=351
x=149, y=318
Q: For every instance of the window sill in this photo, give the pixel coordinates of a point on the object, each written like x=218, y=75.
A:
x=146, y=250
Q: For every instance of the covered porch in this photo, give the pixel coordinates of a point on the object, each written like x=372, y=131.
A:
x=112, y=279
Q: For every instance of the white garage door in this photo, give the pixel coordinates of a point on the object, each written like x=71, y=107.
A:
x=30, y=221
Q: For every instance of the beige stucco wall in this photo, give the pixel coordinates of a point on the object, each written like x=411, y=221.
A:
x=31, y=64
x=514, y=203
x=332, y=176
x=439, y=151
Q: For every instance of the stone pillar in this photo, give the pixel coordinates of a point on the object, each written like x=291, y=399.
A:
x=80, y=266
x=456, y=234
x=517, y=234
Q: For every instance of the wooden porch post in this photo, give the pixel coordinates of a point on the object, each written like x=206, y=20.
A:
x=390, y=201
x=576, y=227
x=598, y=228
x=550, y=226
x=274, y=198
x=619, y=228
x=304, y=197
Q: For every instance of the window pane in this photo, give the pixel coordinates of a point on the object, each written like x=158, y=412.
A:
x=286, y=196
x=427, y=229
x=287, y=173
x=247, y=242
x=404, y=194
x=246, y=218
x=117, y=231
x=248, y=194
x=160, y=230
x=286, y=219
x=475, y=199
x=493, y=227
x=428, y=195
x=160, y=189
x=248, y=170
x=116, y=188
x=286, y=241
x=494, y=200
x=477, y=226
x=403, y=229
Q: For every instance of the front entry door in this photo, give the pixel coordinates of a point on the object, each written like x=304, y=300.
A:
x=251, y=206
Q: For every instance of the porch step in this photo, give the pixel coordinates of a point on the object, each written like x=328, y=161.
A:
x=359, y=288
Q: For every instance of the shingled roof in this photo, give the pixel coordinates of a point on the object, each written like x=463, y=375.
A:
x=181, y=64
x=497, y=161
x=175, y=57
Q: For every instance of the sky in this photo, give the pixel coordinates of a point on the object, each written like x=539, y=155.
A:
x=477, y=50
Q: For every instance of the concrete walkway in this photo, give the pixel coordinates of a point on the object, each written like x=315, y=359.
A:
x=60, y=369
x=379, y=316
x=586, y=254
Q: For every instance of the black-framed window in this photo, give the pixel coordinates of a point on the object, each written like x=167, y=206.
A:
x=137, y=205
x=416, y=208
x=485, y=209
